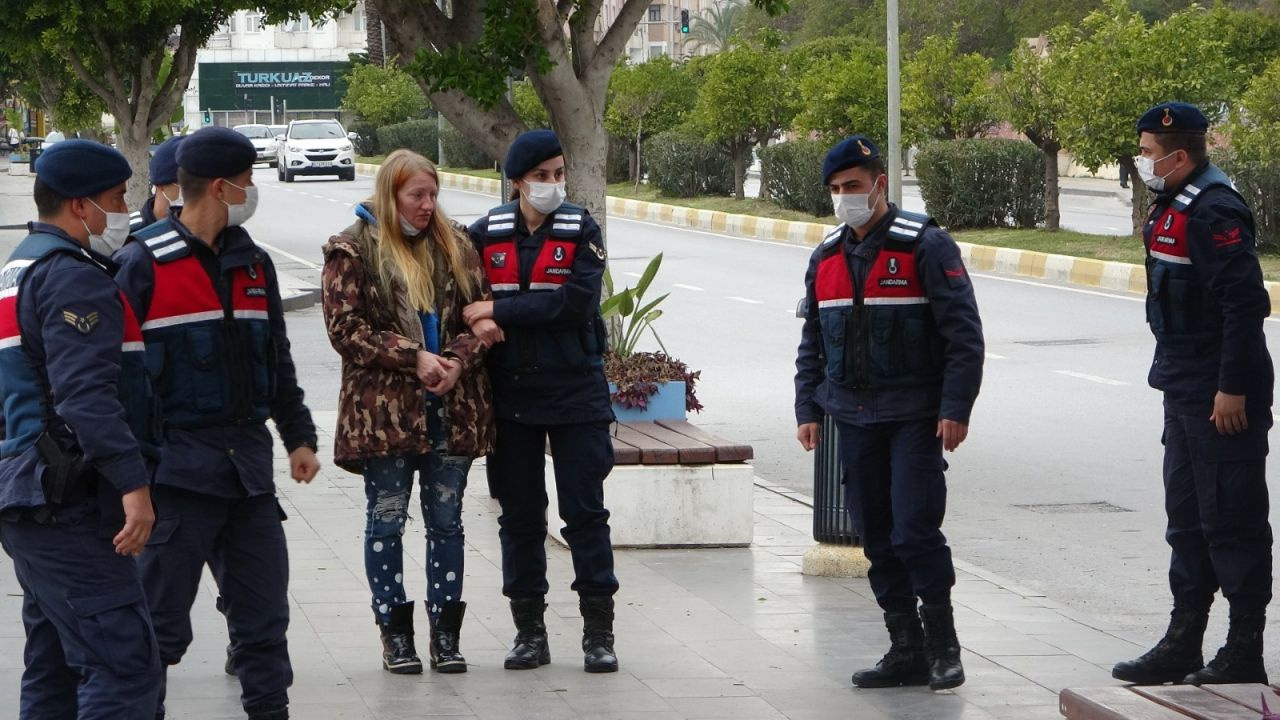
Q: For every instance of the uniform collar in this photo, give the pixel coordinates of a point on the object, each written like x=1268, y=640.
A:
x=35, y=226
x=871, y=244
x=231, y=242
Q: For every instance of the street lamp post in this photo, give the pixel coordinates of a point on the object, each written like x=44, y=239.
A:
x=895, y=106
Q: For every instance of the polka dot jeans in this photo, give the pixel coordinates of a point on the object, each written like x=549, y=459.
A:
x=388, y=483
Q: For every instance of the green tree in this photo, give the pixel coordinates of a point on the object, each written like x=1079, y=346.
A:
x=383, y=95
x=527, y=105
x=946, y=94
x=1114, y=66
x=1254, y=126
x=462, y=59
x=845, y=94
x=646, y=99
x=745, y=99
x=714, y=28
x=117, y=50
x=1029, y=97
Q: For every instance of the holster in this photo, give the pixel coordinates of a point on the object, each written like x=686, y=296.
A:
x=65, y=479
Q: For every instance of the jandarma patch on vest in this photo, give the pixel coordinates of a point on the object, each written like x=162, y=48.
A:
x=83, y=324
x=599, y=251
x=255, y=292
x=498, y=260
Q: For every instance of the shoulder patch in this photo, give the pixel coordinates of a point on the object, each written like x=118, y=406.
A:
x=598, y=250
x=84, y=324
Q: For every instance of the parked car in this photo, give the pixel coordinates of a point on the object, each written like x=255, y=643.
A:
x=263, y=141
x=315, y=147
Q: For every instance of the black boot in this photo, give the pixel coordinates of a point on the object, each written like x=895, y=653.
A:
x=278, y=714
x=1177, y=654
x=1240, y=660
x=941, y=647
x=229, y=667
x=530, y=649
x=399, y=656
x=446, y=656
x=597, y=634
x=905, y=663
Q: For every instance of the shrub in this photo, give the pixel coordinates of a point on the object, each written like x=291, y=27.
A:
x=416, y=135
x=684, y=165
x=366, y=141
x=461, y=153
x=1259, y=183
x=617, y=166
x=988, y=182
x=793, y=171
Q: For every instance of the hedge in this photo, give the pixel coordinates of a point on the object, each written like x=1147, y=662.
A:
x=459, y=152
x=684, y=165
x=366, y=141
x=1259, y=183
x=988, y=182
x=617, y=167
x=416, y=135
x=793, y=171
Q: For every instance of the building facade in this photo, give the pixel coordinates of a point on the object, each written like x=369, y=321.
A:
x=658, y=32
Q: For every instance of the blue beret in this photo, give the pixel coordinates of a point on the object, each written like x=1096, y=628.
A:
x=1173, y=117
x=216, y=152
x=164, y=164
x=850, y=152
x=81, y=168
x=529, y=151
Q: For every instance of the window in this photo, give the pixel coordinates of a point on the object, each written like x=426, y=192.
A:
x=657, y=50
x=315, y=131
x=232, y=23
x=253, y=22
x=300, y=24
x=655, y=13
x=358, y=14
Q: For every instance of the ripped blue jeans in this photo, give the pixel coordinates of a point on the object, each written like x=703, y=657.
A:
x=388, y=483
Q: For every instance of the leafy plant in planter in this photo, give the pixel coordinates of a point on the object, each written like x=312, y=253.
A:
x=638, y=374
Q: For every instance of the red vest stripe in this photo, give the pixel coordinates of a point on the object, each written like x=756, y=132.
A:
x=1169, y=238
x=184, y=294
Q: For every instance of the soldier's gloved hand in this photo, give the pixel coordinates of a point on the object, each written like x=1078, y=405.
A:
x=1229, y=414
x=303, y=464
x=808, y=435
x=952, y=433
x=139, y=518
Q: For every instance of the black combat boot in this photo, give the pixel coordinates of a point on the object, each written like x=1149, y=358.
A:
x=1240, y=660
x=530, y=649
x=1177, y=654
x=941, y=647
x=905, y=663
x=277, y=714
x=446, y=656
x=399, y=656
x=229, y=667
x=597, y=634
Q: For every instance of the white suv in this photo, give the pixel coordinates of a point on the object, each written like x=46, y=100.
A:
x=315, y=147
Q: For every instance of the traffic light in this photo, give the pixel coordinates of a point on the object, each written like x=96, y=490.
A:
x=208, y=117
x=684, y=21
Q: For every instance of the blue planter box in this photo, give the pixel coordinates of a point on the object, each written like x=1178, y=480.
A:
x=666, y=404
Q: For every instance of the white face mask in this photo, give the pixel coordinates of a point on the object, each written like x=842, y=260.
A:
x=545, y=197
x=113, y=236
x=174, y=201
x=854, y=210
x=408, y=228
x=1147, y=171
x=240, y=213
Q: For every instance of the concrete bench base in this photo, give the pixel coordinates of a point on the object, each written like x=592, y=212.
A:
x=673, y=505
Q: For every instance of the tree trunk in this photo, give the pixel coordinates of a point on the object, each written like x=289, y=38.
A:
x=1052, y=214
x=633, y=162
x=134, y=142
x=765, y=193
x=585, y=143
x=739, y=169
x=1138, y=190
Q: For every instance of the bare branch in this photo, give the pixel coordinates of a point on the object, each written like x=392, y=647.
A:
x=118, y=90
x=615, y=40
x=180, y=69
x=582, y=29
x=93, y=84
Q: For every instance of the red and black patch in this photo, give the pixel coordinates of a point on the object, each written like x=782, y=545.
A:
x=1227, y=238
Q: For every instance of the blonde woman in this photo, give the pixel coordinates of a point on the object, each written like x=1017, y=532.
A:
x=414, y=395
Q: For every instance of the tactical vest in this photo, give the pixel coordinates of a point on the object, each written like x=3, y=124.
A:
x=213, y=362
x=22, y=382
x=1178, y=304
x=530, y=350
x=878, y=333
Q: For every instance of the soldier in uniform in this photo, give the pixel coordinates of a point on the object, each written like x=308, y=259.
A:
x=209, y=304
x=164, y=178
x=75, y=499
x=544, y=259
x=1206, y=303
x=892, y=350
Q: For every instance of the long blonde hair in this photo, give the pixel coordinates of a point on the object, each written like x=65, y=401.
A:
x=397, y=257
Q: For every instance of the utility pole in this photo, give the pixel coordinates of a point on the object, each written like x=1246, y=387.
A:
x=895, y=106
x=506, y=181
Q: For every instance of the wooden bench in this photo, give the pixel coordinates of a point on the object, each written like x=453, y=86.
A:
x=674, y=485
x=1169, y=702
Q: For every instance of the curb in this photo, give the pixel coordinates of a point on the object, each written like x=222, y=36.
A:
x=1074, y=271
x=1119, y=193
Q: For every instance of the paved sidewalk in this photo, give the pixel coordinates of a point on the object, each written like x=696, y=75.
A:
x=716, y=633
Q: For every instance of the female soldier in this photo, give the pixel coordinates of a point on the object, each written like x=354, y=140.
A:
x=414, y=394
x=545, y=259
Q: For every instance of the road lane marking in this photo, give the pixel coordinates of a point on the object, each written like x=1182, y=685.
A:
x=1092, y=378
x=749, y=301
x=291, y=256
x=682, y=286
x=632, y=274
x=993, y=356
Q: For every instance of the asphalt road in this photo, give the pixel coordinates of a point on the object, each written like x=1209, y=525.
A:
x=1058, y=486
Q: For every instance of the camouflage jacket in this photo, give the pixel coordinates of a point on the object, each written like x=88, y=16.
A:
x=381, y=404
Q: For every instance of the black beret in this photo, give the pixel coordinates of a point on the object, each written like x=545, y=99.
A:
x=164, y=164
x=529, y=151
x=1173, y=117
x=81, y=168
x=850, y=152
x=216, y=152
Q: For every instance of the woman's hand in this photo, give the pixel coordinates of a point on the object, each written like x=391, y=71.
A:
x=452, y=371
